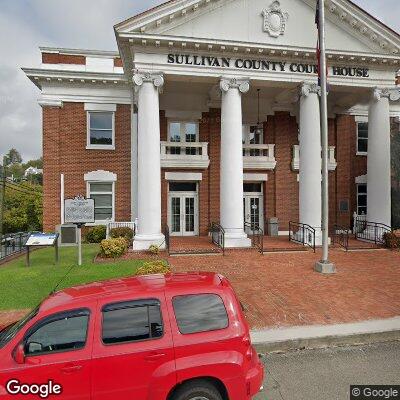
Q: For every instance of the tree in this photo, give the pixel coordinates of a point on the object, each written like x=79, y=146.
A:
x=13, y=157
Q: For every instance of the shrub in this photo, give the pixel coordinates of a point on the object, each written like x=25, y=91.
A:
x=114, y=247
x=96, y=234
x=154, y=249
x=153, y=267
x=125, y=232
x=392, y=240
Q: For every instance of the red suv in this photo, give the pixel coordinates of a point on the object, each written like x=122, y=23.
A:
x=154, y=337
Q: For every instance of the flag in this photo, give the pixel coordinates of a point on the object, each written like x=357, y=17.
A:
x=318, y=50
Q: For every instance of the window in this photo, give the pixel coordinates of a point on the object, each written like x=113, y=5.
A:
x=362, y=137
x=132, y=321
x=361, y=199
x=60, y=332
x=252, y=134
x=103, y=195
x=100, y=130
x=182, y=186
x=183, y=132
x=200, y=313
x=252, y=187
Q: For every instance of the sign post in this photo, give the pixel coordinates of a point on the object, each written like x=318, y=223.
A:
x=79, y=211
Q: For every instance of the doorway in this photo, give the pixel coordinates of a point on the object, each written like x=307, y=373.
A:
x=253, y=204
x=183, y=209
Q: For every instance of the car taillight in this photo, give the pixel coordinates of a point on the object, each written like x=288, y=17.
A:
x=247, y=342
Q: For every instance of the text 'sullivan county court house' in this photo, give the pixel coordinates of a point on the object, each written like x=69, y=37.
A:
x=209, y=112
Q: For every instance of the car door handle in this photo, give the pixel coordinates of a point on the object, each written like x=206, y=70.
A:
x=154, y=356
x=68, y=369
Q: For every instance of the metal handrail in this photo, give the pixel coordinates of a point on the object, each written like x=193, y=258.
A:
x=12, y=243
x=340, y=236
x=257, y=236
x=218, y=235
x=305, y=234
x=371, y=231
x=167, y=238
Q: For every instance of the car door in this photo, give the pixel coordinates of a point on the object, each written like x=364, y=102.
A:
x=58, y=348
x=133, y=356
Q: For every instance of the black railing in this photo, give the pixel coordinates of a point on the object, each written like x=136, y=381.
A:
x=257, y=236
x=167, y=238
x=218, y=236
x=371, y=231
x=302, y=233
x=340, y=236
x=12, y=243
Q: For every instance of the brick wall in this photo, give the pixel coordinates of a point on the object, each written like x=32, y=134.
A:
x=56, y=58
x=67, y=127
x=64, y=149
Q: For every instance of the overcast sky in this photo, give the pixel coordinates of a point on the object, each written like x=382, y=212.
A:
x=27, y=24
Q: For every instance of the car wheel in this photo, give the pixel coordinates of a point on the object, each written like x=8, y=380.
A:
x=197, y=390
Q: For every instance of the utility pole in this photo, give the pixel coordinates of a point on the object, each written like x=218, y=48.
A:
x=324, y=265
x=2, y=197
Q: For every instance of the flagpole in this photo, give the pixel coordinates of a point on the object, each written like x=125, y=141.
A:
x=324, y=265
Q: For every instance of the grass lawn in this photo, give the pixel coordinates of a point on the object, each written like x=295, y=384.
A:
x=24, y=287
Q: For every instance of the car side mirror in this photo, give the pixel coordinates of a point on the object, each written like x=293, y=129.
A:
x=19, y=355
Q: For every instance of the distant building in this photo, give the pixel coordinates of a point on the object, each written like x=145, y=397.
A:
x=33, y=171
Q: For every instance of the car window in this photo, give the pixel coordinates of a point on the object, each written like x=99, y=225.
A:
x=200, y=313
x=132, y=321
x=61, y=332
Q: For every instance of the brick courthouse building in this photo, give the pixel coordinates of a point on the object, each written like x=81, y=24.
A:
x=209, y=112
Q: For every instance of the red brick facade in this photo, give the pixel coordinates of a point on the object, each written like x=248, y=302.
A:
x=64, y=151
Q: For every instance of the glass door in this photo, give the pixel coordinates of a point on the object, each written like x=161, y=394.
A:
x=253, y=210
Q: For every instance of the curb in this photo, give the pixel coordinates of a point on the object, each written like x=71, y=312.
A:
x=322, y=336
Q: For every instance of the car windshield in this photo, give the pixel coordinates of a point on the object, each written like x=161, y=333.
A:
x=7, y=333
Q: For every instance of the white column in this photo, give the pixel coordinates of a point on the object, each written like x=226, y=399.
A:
x=231, y=175
x=310, y=159
x=134, y=164
x=149, y=168
x=378, y=163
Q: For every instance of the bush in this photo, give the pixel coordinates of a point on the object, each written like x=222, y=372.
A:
x=154, y=249
x=153, y=267
x=96, y=234
x=125, y=232
x=113, y=248
x=392, y=240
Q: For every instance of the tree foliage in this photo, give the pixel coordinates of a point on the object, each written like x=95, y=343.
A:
x=13, y=157
x=22, y=208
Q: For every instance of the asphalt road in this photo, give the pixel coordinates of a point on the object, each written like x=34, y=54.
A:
x=326, y=374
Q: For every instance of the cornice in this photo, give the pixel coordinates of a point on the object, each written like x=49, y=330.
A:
x=79, y=52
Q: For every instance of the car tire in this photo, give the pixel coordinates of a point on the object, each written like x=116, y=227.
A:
x=197, y=390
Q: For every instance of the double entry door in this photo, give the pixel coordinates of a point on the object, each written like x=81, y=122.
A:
x=253, y=210
x=183, y=211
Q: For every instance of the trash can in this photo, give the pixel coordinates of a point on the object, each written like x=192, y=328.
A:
x=273, y=226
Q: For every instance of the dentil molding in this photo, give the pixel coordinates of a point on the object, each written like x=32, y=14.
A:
x=233, y=83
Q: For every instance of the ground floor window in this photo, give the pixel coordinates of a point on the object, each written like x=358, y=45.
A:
x=103, y=195
x=361, y=199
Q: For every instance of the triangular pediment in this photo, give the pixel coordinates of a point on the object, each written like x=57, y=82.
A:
x=269, y=22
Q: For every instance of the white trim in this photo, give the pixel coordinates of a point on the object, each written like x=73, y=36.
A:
x=62, y=197
x=100, y=107
x=255, y=177
x=361, y=118
x=79, y=52
x=100, y=176
x=362, y=179
x=106, y=221
x=183, y=176
x=187, y=116
x=90, y=146
x=358, y=122
x=50, y=102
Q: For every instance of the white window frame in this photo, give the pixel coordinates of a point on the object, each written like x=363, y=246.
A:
x=101, y=176
x=364, y=194
x=361, y=120
x=182, y=130
x=246, y=130
x=90, y=146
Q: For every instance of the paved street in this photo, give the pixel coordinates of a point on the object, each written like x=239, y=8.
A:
x=327, y=373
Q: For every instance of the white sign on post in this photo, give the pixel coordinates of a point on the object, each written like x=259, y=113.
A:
x=79, y=211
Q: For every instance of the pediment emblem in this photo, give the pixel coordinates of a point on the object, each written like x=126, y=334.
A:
x=274, y=19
